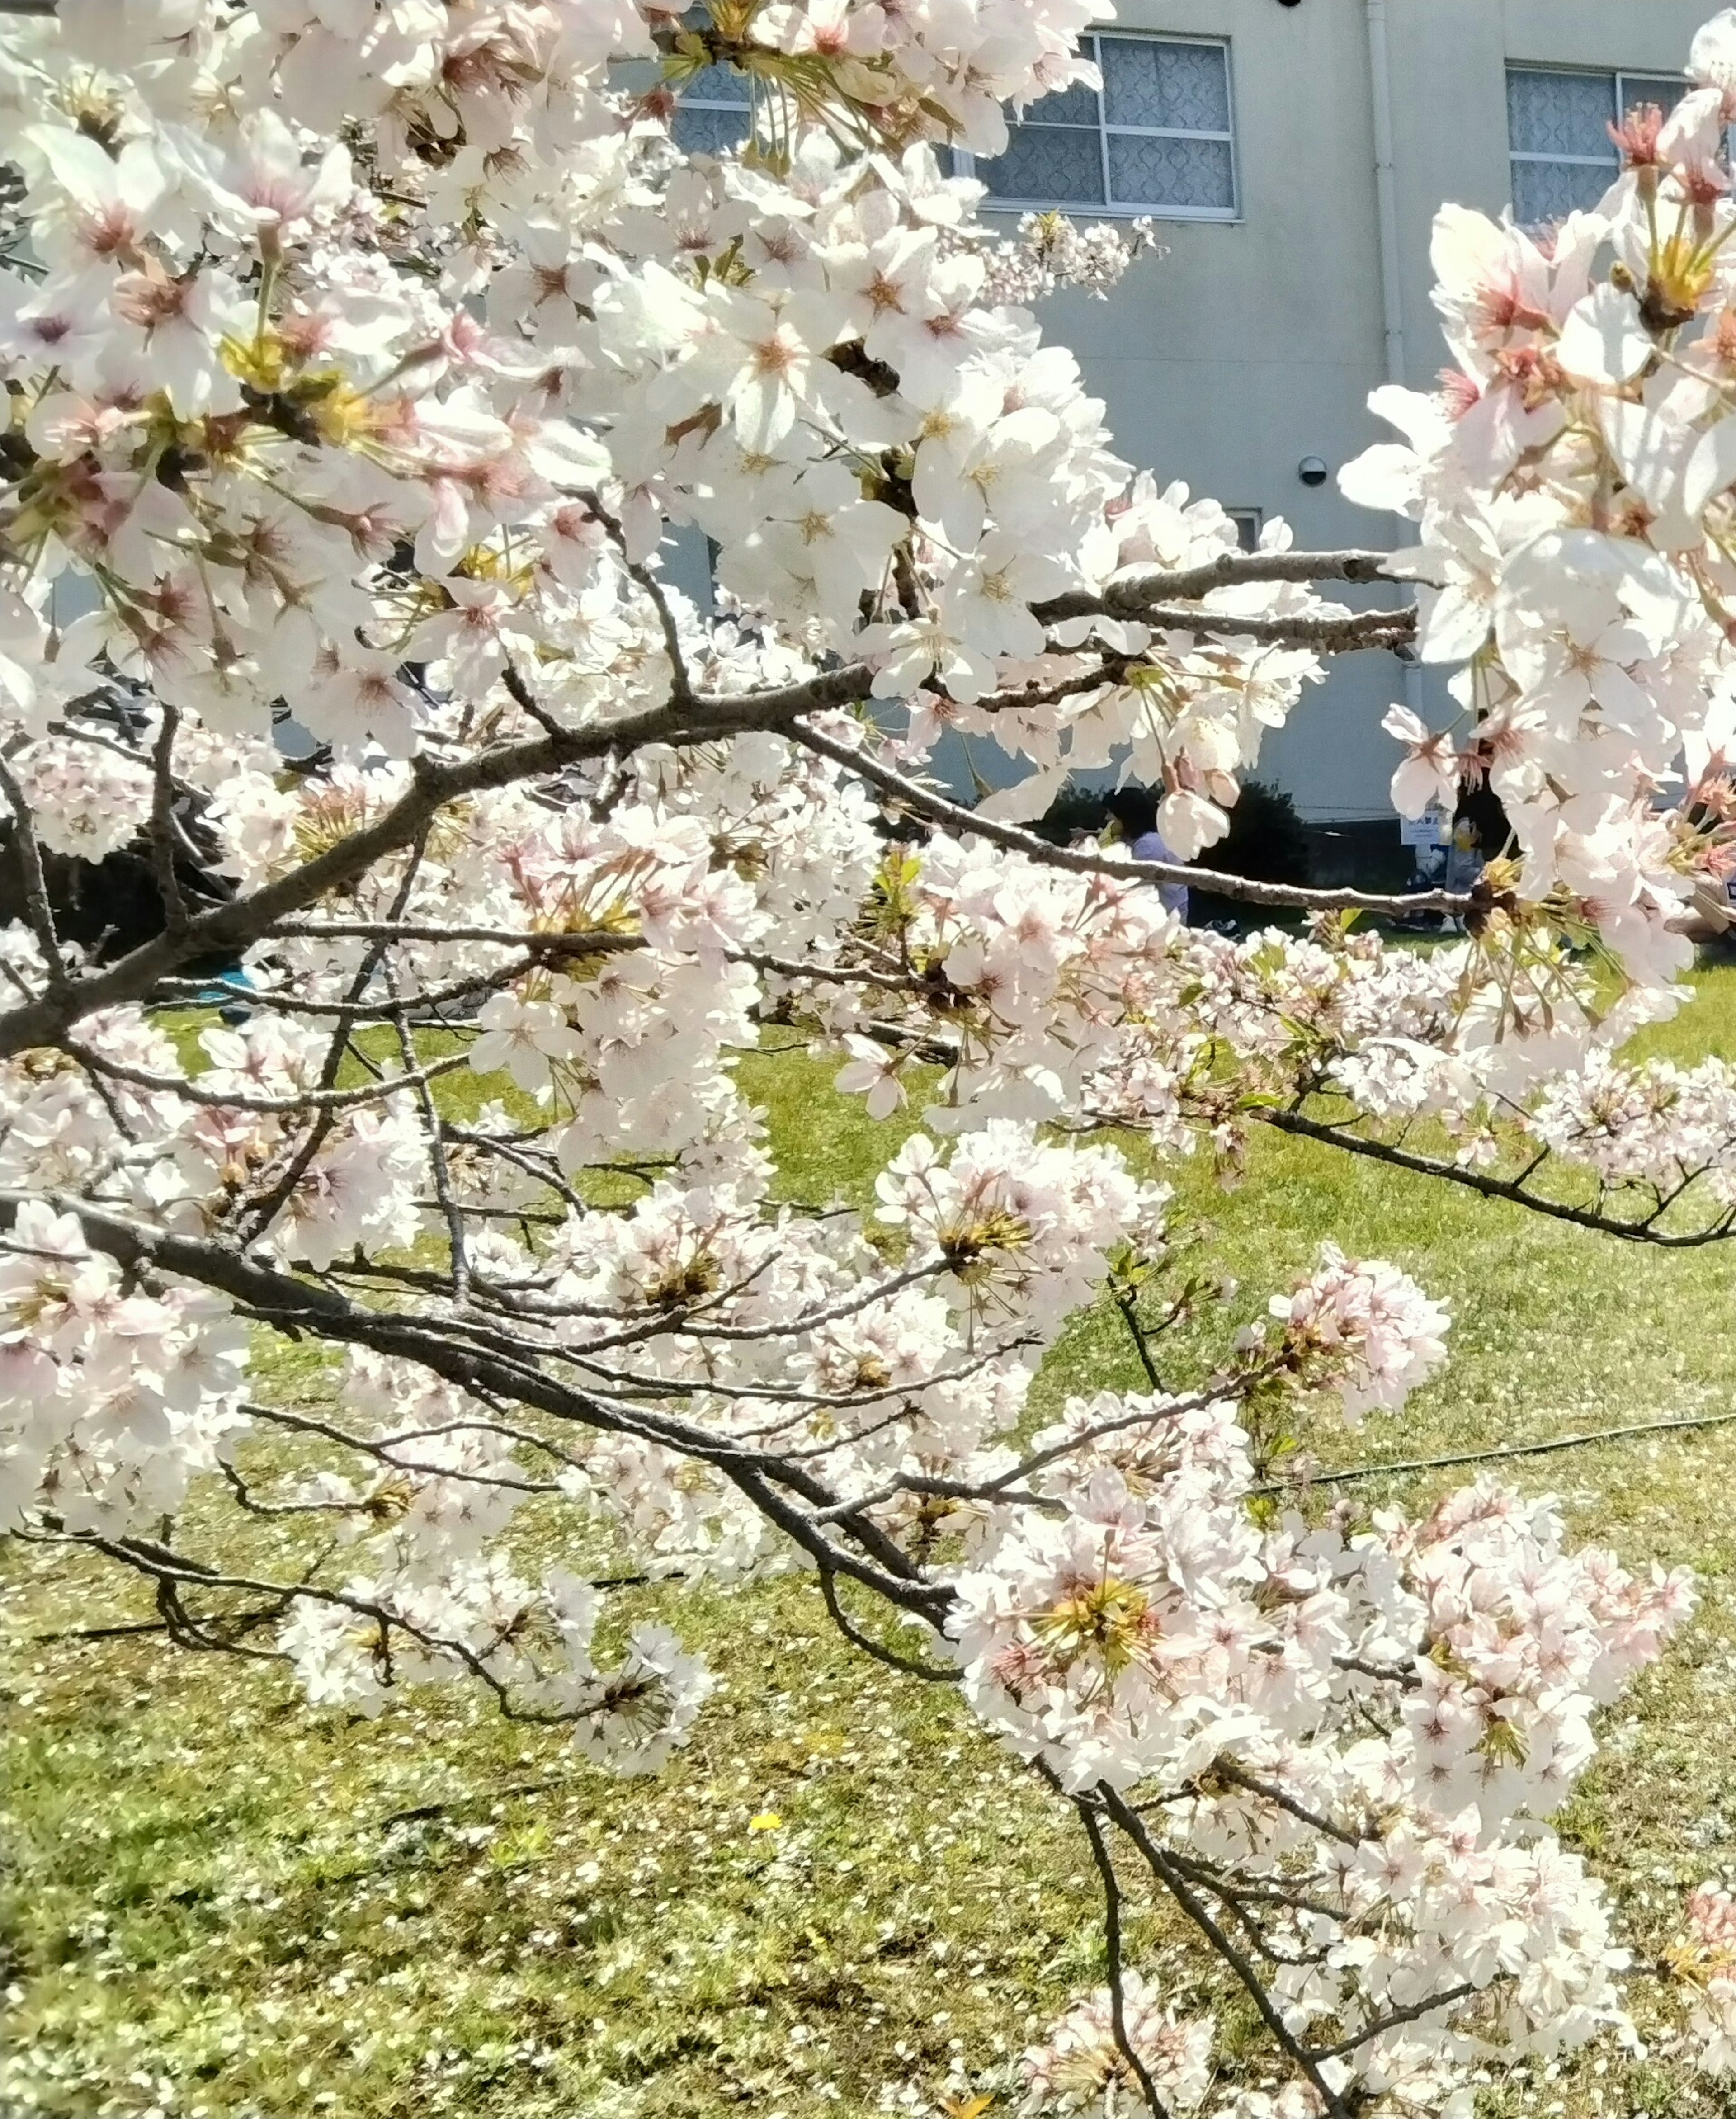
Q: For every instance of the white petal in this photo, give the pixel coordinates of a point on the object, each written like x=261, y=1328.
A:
x=1711, y=468
x=1389, y=476
x=1603, y=340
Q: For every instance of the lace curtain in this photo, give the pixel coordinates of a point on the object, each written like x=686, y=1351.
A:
x=714, y=112
x=1558, y=132
x=1562, y=114
x=1159, y=135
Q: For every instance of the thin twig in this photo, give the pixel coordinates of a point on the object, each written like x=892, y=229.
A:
x=1412, y=2012
x=37, y=908
x=1200, y=1914
x=1127, y=1302
x=268, y=1199
x=932, y=1672
x=1112, y=1950
x=1339, y=635
x=1550, y=1449
x=161, y=835
x=1509, y=1189
x=1228, y=1769
x=245, y=1099
x=98, y=1633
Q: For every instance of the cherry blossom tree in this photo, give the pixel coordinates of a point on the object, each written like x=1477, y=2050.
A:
x=361, y=357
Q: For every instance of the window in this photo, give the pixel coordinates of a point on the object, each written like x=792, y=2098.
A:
x=714, y=112
x=1558, y=131
x=1157, y=139
x=1247, y=521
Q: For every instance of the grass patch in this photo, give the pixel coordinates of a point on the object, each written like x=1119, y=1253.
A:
x=217, y=1901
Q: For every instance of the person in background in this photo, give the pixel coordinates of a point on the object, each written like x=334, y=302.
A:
x=1427, y=872
x=1464, y=860
x=1135, y=810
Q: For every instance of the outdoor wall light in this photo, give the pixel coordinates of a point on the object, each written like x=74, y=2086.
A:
x=1312, y=471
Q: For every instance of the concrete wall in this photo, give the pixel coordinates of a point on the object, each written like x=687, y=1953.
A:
x=1256, y=343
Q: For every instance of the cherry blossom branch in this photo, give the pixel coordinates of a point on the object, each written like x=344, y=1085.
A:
x=545, y=1172
x=1236, y=1900
x=536, y=942
x=1226, y=1768
x=266, y=1199
x=147, y=1557
x=1182, y=1890
x=1412, y=2013
x=1305, y=1481
x=1126, y=1301
x=38, y=910
x=1239, y=1894
x=849, y=975
x=1513, y=1189
x=585, y=942
x=1112, y=1951
x=439, y=1172
x=280, y=1299
x=1341, y=635
x=1129, y=596
x=233, y=927
x=522, y=696
x=384, y=1448
x=911, y=1665
x=680, y=682
x=307, y=1100
x=429, y=1001
x=912, y=795
x=159, y=833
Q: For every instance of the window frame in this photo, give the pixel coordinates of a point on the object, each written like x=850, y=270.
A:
x=1108, y=209
x=1617, y=77
x=1248, y=522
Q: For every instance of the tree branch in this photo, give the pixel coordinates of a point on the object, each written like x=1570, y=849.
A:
x=229, y=929
x=280, y=1299
x=1392, y=2019
x=912, y=795
x=1514, y=1450
x=1340, y=636
x=1200, y=1914
x=38, y=910
x=160, y=830
x=1131, y=596
x=1510, y=1188
x=1112, y=1950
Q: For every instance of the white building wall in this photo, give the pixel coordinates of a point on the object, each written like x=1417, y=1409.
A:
x=1256, y=343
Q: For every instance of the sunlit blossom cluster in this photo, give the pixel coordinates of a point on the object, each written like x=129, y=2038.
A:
x=1082, y=2068
x=1049, y=251
x=1571, y=478
x=1706, y=1956
x=362, y=366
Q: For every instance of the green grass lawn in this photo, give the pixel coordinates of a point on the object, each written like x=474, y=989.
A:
x=841, y=1898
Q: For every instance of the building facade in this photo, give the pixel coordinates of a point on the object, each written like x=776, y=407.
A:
x=1295, y=153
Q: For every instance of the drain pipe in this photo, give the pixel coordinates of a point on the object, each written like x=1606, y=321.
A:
x=1387, y=212
x=1386, y=190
